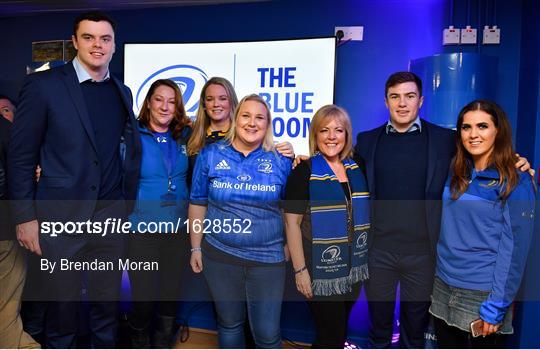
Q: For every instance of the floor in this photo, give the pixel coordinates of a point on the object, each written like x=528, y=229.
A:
x=206, y=339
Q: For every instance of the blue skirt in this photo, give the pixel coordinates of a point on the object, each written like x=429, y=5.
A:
x=458, y=307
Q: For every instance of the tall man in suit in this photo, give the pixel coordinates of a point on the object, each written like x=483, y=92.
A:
x=76, y=122
x=407, y=161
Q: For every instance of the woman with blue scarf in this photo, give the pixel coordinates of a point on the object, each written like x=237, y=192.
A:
x=327, y=223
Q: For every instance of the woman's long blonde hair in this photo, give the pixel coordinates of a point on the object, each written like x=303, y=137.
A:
x=268, y=141
x=198, y=138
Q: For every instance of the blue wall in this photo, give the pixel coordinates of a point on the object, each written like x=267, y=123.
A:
x=362, y=67
x=529, y=145
x=394, y=33
x=507, y=16
x=529, y=87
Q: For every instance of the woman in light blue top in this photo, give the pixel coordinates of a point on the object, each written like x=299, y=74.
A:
x=487, y=224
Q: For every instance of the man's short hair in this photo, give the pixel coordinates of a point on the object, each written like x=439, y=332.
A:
x=4, y=97
x=400, y=78
x=94, y=16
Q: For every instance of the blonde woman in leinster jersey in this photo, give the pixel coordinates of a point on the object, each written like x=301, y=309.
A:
x=238, y=184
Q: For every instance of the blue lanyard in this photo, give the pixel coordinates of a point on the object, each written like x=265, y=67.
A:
x=168, y=146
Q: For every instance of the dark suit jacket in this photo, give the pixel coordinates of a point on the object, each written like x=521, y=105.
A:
x=3, y=186
x=5, y=127
x=6, y=229
x=52, y=128
x=441, y=150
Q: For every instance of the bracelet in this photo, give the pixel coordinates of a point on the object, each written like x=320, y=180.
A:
x=300, y=270
x=197, y=249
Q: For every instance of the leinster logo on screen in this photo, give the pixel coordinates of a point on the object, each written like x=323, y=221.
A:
x=189, y=78
x=331, y=254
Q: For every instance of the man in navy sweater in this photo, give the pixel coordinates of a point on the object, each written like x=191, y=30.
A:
x=407, y=162
x=77, y=123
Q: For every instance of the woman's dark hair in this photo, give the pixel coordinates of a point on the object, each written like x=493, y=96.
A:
x=502, y=158
x=180, y=118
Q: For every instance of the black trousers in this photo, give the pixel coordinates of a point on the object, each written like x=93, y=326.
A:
x=156, y=291
x=66, y=288
x=450, y=337
x=331, y=318
x=414, y=273
x=34, y=305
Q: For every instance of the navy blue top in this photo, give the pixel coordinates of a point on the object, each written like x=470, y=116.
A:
x=108, y=116
x=400, y=181
x=6, y=229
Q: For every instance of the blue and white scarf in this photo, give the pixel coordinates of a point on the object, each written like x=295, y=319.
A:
x=339, y=248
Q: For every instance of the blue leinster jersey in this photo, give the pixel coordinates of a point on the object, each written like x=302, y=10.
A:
x=242, y=194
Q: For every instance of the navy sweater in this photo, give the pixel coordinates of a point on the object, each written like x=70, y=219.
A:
x=399, y=211
x=108, y=116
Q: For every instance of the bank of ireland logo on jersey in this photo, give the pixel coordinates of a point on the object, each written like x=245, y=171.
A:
x=190, y=80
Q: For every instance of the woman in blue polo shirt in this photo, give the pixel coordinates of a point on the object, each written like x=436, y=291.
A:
x=237, y=186
x=162, y=197
x=487, y=224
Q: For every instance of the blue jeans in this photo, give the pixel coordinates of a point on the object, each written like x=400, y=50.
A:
x=235, y=286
